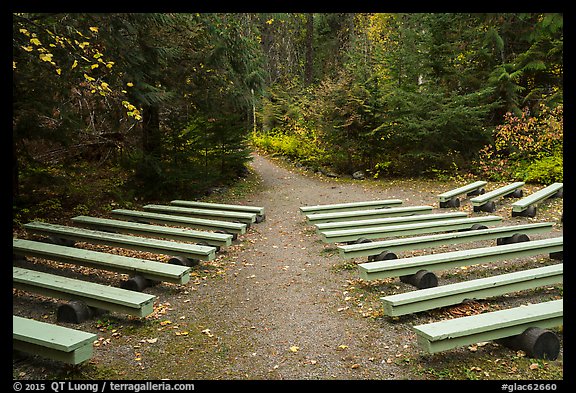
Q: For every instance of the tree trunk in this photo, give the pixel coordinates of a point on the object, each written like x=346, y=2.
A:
x=151, y=139
x=308, y=71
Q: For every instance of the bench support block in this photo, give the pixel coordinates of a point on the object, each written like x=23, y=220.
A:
x=488, y=207
x=76, y=311
x=530, y=211
x=515, y=238
x=183, y=261
x=453, y=202
x=421, y=279
x=537, y=343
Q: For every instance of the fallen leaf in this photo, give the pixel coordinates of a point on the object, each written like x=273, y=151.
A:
x=294, y=348
x=355, y=365
x=342, y=347
x=534, y=366
x=152, y=340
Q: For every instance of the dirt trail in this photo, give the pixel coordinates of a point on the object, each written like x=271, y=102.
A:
x=284, y=294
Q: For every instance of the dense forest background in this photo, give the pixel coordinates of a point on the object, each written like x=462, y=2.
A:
x=128, y=107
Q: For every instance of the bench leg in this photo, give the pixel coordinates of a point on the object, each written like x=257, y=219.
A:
x=74, y=312
x=60, y=241
x=361, y=240
x=515, y=194
x=183, y=261
x=421, y=279
x=383, y=256
x=488, y=207
x=515, y=238
x=536, y=342
x=453, y=202
x=260, y=218
x=557, y=255
x=477, y=192
x=136, y=283
x=529, y=212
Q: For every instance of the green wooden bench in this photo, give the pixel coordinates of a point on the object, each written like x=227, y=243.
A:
x=258, y=210
x=93, y=295
x=367, y=214
x=447, y=260
x=485, y=202
x=482, y=288
x=527, y=205
x=246, y=218
x=150, y=270
x=376, y=222
x=383, y=248
x=450, y=198
x=227, y=227
x=363, y=234
x=452, y=333
x=179, y=234
x=349, y=206
x=164, y=247
x=52, y=341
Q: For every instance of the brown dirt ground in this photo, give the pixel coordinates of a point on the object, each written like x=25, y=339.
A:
x=281, y=305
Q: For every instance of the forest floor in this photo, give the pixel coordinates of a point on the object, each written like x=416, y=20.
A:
x=279, y=304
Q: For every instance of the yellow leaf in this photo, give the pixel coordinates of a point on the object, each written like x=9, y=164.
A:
x=129, y=84
x=35, y=41
x=74, y=64
x=13, y=65
x=94, y=66
x=94, y=29
x=164, y=323
x=294, y=348
x=24, y=31
x=58, y=71
x=342, y=347
x=28, y=48
x=88, y=78
x=46, y=57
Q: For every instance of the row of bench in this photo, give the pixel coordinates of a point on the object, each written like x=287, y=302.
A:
x=511, y=242
x=86, y=298
x=485, y=201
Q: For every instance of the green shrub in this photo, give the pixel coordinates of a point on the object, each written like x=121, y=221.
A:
x=546, y=170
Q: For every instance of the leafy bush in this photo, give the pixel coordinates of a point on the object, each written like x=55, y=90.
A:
x=546, y=170
x=527, y=147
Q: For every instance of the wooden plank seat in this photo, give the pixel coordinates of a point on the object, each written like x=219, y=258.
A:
x=527, y=206
x=349, y=206
x=150, y=270
x=234, y=228
x=375, y=222
x=164, y=247
x=482, y=288
x=485, y=202
x=92, y=294
x=363, y=234
x=258, y=210
x=179, y=234
x=383, y=248
x=450, y=198
x=51, y=341
x=367, y=214
x=452, y=333
x=447, y=260
x=244, y=217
